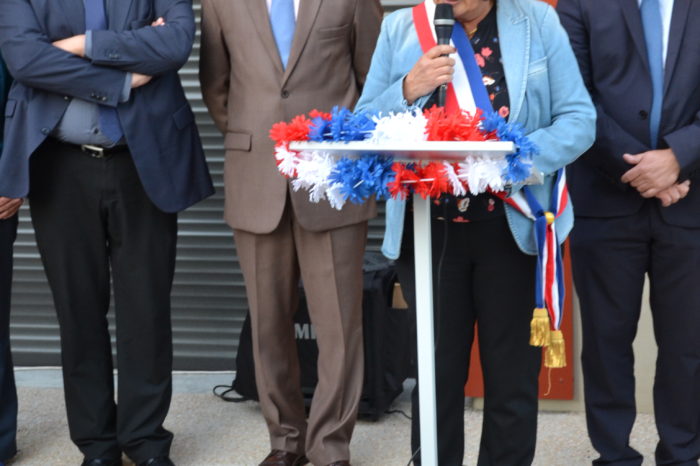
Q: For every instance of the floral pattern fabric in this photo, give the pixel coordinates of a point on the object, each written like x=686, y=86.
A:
x=487, y=52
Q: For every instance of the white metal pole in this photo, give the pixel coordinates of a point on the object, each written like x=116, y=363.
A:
x=424, y=325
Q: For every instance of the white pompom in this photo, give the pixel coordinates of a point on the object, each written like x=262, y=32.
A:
x=288, y=160
x=399, y=127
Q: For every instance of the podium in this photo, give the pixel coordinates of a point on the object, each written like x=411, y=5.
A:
x=427, y=151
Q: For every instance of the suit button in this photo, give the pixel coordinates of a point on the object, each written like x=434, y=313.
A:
x=643, y=114
x=285, y=94
x=103, y=99
x=45, y=130
x=65, y=97
x=93, y=95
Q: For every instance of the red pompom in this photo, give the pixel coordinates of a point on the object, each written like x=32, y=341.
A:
x=398, y=188
x=461, y=126
x=433, y=180
x=296, y=130
x=317, y=113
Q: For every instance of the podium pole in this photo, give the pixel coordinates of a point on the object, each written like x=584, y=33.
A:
x=424, y=329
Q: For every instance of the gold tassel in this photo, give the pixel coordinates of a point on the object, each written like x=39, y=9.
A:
x=555, y=354
x=539, y=327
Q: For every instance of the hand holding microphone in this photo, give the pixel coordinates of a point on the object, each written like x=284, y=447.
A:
x=435, y=68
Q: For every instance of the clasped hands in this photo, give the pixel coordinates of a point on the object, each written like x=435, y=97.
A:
x=655, y=174
x=76, y=46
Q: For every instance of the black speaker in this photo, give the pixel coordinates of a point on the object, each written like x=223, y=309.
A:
x=386, y=333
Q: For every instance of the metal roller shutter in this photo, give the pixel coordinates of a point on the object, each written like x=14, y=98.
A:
x=208, y=299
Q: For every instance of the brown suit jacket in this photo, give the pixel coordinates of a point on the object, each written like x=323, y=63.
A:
x=247, y=90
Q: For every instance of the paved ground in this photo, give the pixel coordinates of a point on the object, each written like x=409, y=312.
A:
x=210, y=432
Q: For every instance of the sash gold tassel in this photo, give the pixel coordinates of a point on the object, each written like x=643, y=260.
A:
x=555, y=353
x=539, y=328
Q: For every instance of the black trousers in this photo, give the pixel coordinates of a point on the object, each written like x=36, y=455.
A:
x=480, y=277
x=8, y=392
x=93, y=222
x=610, y=257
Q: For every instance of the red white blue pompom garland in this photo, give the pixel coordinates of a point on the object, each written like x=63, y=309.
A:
x=344, y=179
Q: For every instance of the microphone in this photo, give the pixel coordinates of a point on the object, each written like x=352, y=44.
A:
x=443, y=21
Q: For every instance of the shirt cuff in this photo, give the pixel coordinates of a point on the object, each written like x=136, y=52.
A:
x=88, y=44
x=126, y=90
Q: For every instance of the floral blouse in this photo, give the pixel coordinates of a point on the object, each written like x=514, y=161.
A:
x=487, y=52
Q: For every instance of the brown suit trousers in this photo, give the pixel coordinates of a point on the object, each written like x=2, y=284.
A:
x=280, y=235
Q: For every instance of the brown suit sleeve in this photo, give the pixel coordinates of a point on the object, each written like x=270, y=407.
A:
x=214, y=66
x=367, y=22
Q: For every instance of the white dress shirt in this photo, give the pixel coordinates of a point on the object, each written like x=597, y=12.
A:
x=666, y=11
x=296, y=7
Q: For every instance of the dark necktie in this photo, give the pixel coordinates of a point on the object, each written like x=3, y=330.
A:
x=653, y=31
x=96, y=19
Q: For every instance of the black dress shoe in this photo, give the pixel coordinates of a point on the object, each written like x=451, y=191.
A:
x=157, y=461
x=284, y=458
x=101, y=462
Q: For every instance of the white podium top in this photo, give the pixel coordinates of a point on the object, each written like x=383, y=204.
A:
x=450, y=151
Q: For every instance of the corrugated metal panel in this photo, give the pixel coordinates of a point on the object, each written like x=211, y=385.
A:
x=209, y=301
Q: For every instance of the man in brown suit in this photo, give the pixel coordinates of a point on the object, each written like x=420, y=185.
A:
x=264, y=61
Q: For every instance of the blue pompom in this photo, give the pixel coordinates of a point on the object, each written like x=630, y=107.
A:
x=519, y=162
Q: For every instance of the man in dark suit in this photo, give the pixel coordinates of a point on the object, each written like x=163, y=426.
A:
x=8, y=231
x=98, y=106
x=637, y=198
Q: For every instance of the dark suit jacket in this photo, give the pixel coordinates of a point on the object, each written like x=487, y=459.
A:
x=5, y=82
x=608, y=40
x=157, y=120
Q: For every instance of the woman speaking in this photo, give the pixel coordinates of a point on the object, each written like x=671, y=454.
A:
x=483, y=250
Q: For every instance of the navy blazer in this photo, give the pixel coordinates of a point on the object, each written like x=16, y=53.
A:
x=608, y=40
x=157, y=120
x=5, y=81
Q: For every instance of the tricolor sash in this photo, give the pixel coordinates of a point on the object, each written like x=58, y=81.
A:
x=467, y=93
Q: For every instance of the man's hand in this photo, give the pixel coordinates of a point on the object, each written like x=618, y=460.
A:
x=9, y=207
x=674, y=193
x=74, y=45
x=653, y=171
x=431, y=71
x=138, y=80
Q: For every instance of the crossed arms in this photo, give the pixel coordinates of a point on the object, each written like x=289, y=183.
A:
x=35, y=61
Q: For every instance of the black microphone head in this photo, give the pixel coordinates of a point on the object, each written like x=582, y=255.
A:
x=443, y=21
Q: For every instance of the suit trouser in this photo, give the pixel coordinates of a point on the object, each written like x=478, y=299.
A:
x=92, y=218
x=479, y=277
x=610, y=259
x=8, y=392
x=330, y=266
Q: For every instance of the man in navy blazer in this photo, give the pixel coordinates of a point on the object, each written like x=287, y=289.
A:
x=100, y=134
x=637, y=198
x=8, y=232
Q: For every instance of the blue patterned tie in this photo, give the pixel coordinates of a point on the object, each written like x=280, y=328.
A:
x=653, y=30
x=96, y=19
x=283, y=23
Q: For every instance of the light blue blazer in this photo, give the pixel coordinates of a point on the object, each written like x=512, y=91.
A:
x=547, y=97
